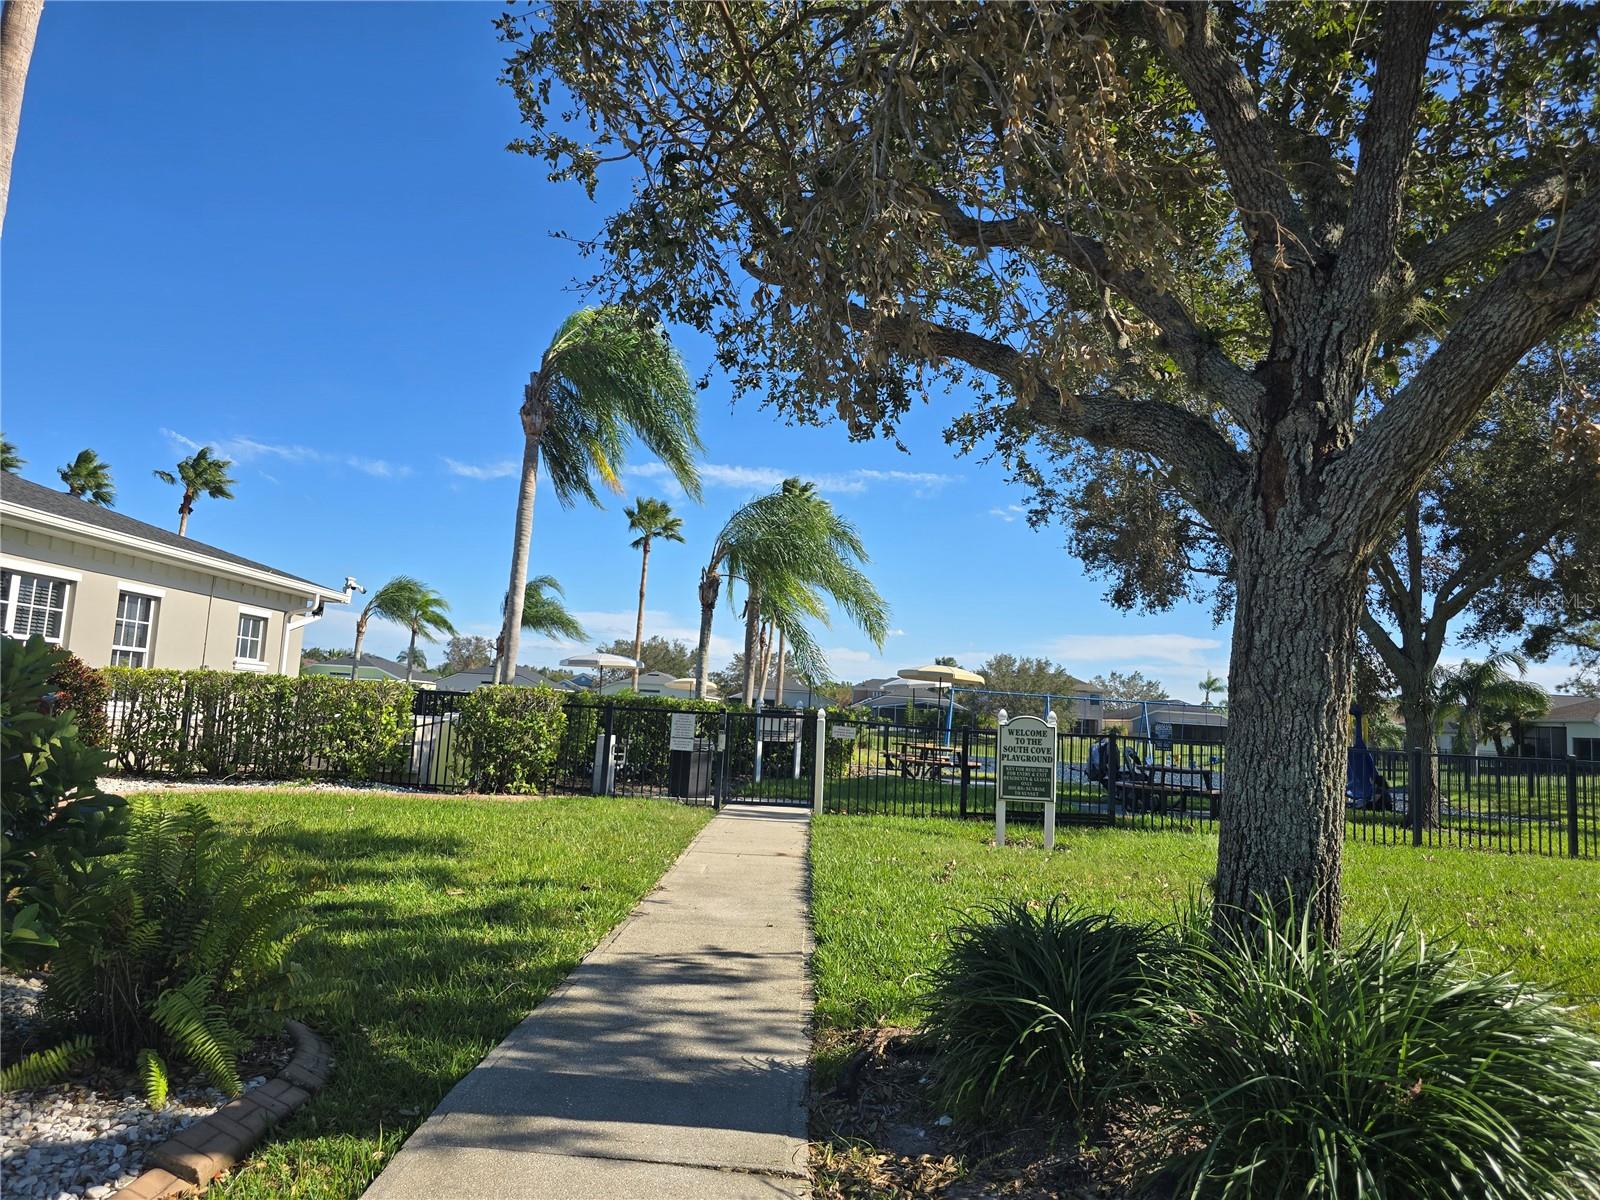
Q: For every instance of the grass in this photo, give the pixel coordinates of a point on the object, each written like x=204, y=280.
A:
x=885, y=889
x=439, y=923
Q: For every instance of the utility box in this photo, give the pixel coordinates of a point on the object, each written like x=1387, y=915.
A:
x=689, y=774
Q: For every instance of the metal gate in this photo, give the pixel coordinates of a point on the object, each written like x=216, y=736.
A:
x=769, y=758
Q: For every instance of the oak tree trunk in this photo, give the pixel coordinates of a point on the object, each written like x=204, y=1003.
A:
x=1290, y=680
x=1421, y=721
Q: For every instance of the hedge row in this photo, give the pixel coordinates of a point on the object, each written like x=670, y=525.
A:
x=223, y=724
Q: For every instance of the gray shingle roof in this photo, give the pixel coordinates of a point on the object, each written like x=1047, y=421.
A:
x=27, y=494
x=388, y=665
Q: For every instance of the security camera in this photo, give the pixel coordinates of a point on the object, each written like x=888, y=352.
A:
x=350, y=585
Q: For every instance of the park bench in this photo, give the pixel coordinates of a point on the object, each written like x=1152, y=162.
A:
x=1160, y=789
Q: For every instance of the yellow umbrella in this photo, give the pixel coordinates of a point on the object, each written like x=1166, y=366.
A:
x=945, y=676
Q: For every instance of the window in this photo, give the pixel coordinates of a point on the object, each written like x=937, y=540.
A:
x=32, y=604
x=130, y=639
x=252, y=638
x=1545, y=741
x=1586, y=749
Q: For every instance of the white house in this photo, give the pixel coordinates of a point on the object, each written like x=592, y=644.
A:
x=119, y=592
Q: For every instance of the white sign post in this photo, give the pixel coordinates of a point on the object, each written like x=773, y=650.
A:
x=1026, y=771
x=683, y=725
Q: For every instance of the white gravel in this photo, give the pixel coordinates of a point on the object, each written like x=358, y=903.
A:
x=70, y=1141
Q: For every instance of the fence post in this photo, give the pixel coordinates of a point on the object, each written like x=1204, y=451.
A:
x=1113, y=764
x=1572, y=806
x=605, y=775
x=1414, y=794
x=820, y=769
x=720, y=791
x=966, y=765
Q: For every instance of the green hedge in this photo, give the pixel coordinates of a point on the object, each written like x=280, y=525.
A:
x=506, y=738
x=221, y=724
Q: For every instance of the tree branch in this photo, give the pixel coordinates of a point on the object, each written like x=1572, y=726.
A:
x=1197, y=355
x=1280, y=237
x=1468, y=239
x=1532, y=297
x=1477, y=572
x=1387, y=136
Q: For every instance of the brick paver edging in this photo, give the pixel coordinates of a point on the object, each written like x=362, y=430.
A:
x=202, y=1151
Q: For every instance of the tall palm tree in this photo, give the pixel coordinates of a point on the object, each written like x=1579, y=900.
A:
x=425, y=618
x=10, y=461
x=19, y=25
x=650, y=519
x=394, y=601
x=790, y=549
x=88, y=477
x=201, y=474
x=605, y=378
x=1472, y=690
x=543, y=612
x=1212, y=684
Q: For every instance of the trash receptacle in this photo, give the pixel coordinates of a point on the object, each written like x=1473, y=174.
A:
x=689, y=772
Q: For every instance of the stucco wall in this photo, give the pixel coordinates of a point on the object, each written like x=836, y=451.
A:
x=197, y=614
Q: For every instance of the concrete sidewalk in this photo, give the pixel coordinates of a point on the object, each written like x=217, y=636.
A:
x=671, y=1063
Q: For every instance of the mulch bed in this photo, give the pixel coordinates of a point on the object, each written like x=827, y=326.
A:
x=878, y=1133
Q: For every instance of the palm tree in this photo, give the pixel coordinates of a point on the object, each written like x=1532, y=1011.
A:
x=415, y=658
x=1212, y=684
x=604, y=378
x=1510, y=715
x=19, y=25
x=544, y=613
x=650, y=519
x=88, y=477
x=425, y=618
x=394, y=601
x=10, y=461
x=1472, y=690
x=201, y=474
x=790, y=549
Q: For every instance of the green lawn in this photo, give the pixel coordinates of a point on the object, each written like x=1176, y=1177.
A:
x=440, y=921
x=886, y=888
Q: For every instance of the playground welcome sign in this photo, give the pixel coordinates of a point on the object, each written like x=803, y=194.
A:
x=1026, y=771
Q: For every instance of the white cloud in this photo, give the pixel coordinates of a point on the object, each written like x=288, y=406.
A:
x=1124, y=649
x=1009, y=513
x=242, y=448
x=494, y=470
x=750, y=478
x=897, y=633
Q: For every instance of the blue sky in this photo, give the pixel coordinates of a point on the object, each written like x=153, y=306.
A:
x=292, y=231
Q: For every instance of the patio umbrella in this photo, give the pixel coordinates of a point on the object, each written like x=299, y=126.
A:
x=599, y=663
x=686, y=684
x=947, y=677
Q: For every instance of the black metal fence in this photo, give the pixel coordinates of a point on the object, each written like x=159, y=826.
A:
x=856, y=763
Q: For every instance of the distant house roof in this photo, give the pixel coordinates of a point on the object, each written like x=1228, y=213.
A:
x=870, y=684
x=1573, y=708
x=63, y=510
x=476, y=677
x=388, y=666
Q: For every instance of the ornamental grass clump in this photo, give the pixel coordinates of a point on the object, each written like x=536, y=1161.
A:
x=1044, y=1009
x=1385, y=1067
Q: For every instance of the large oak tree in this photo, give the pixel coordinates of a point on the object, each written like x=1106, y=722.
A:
x=1198, y=234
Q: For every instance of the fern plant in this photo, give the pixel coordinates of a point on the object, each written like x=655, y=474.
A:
x=181, y=948
x=44, y=1067
x=153, y=1071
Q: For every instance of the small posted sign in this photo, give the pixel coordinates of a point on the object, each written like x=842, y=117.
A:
x=780, y=729
x=683, y=724
x=843, y=733
x=1026, y=771
x=1162, y=735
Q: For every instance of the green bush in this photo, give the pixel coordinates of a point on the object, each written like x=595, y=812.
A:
x=644, y=734
x=506, y=738
x=222, y=724
x=1045, y=1009
x=55, y=823
x=180, y=946
x=1383, y=1068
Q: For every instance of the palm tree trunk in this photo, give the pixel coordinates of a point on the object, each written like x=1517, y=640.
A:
x=710, y=586
x=752, y=648
x=638, y=625
x=184, y=509
x=19, y=25
x=522, y=538
x=355, y=651
x=411, y=654
x=766, y=659
x=777, y=691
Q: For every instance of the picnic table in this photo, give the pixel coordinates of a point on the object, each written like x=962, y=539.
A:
x=927, y=761
x=1159, y=789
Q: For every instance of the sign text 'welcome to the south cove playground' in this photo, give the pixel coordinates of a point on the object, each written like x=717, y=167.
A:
x=1028, y=760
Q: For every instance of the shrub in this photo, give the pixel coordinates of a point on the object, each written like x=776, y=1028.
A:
x=181, y=946
x=1384, y=1068
x=506, y=738
x=81, y=688
x=223, y=724
x=1045, y=1009
x=54, y=820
